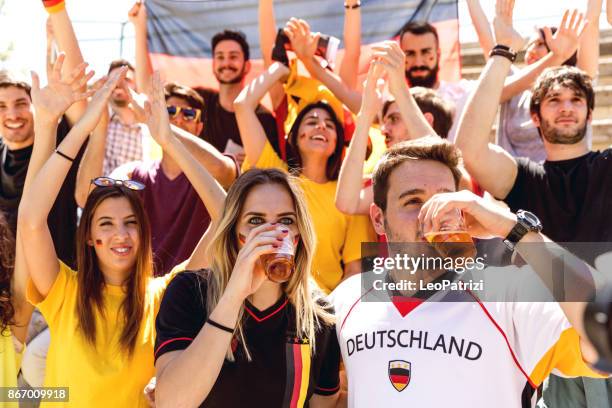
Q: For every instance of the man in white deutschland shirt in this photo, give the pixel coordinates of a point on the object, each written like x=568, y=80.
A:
x=400, y=349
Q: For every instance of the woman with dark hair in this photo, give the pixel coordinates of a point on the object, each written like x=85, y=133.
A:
x=235, y=336
x=315, y=154
x=101, y=319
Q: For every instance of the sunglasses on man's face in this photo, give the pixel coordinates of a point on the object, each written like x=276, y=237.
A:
x=189, y=114
x=110, y=182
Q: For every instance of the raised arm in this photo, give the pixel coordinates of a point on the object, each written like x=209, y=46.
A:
x=562, y=46
x=62, y=32
x=349, y=68
x=392, y=59
x=475, y=124
x=220, y=167
x=209, y=190
x=609, y=11
x=92, y=161
x=251, y=131
x=304, y=44
x=482, y=27
x=588, y=51
x=37, y=200
x=267, y=37
x=351, y=197
x=138, y=17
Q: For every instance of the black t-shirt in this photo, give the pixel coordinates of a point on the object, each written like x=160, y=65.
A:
x=572, y=198
x=63, y=217
x=274, y=375
x=220, y=125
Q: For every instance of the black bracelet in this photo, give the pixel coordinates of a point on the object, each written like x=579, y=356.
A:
x=70, y=159
x=503, y=51
x=219, y=326
x=353, y=7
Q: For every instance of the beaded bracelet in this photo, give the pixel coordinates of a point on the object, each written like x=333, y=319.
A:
x=352, y=7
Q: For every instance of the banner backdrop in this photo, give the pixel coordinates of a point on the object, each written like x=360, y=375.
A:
x=179, y=31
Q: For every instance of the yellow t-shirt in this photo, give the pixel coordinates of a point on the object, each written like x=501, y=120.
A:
x=339, y=236
x=102, y=376
x=10, y=361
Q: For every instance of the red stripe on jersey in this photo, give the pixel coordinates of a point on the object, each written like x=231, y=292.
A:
x=170, y=341
x=258, y=319
x=297, y=379
x=484, y=309
x=351, y=309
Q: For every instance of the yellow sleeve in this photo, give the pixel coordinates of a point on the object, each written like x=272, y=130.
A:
x=267, y=159
x=64, y=287
x=359, y=229
x=566, y=357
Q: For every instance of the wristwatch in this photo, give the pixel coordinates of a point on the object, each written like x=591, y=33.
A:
x=525, y=222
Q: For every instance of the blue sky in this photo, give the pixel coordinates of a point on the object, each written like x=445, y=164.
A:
x=98, y=26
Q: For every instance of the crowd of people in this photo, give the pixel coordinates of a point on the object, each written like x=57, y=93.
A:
x=137, y=218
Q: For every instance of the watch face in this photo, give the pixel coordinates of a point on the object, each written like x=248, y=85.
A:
x=531, y=220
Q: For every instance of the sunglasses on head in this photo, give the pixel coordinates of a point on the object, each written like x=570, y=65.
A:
x=189, y=114
x=111, y=182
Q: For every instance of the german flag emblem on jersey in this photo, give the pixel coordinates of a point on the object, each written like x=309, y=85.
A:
x=399, y=374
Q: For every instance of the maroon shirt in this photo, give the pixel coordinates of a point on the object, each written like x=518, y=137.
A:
x=177, y=215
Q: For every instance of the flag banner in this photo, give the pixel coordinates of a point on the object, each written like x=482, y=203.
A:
x=180, y=31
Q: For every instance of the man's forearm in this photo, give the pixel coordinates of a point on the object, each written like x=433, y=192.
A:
x=551, y=262
x=416, y=124
x=221, y=167
x=481, y=108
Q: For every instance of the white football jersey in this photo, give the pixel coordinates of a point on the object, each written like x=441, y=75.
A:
x=414, y=353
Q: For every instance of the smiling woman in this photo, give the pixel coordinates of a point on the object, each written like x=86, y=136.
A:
x=314, y=153
x=101, y=319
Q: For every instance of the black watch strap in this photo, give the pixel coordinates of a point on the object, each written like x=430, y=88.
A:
x=525, y=222
x=503, y=51
x=515, y=235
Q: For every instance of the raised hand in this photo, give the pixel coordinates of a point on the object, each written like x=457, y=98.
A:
x=136, y=103
x=101, y=91
x=372, y=101
x=393, y=60
x=483, y=218
x=505, y=34
x=567, y=38
x=51, y=101
x=248, y=275
x=156, y=112
x=303, y=42
x=138, y=13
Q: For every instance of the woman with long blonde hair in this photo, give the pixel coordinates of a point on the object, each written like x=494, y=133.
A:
x=231, y=336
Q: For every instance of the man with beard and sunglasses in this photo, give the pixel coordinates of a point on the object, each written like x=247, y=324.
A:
x=230, y=66
x=177, y=215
